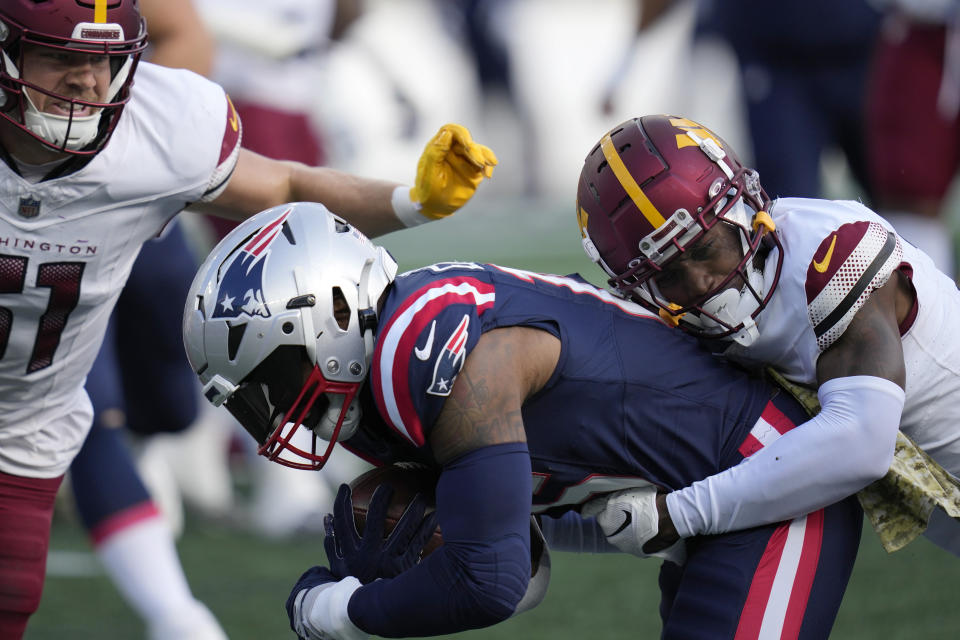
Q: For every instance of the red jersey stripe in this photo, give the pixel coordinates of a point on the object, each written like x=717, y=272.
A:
x=751, y=618
x=806, y=572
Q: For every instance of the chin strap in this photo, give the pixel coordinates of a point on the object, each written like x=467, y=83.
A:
x=736, y=306
x=328, y=423
x=66, y=132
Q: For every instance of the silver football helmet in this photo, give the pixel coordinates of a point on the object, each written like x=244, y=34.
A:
x=279, y=327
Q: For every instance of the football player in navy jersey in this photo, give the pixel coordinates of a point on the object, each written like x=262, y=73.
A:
x=92, y=166
x=530, y=394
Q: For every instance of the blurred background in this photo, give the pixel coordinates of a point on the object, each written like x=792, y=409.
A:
x=361, y=86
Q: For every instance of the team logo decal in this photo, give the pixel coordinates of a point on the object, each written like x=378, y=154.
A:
x=822, y=265
x=29, y=207
x=450, y=361
x=234, y=119
x=241, y=289
x=684, y=140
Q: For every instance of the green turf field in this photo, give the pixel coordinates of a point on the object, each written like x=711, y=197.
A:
x=909, y=595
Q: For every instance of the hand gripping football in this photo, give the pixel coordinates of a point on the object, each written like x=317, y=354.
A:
x=407, y=480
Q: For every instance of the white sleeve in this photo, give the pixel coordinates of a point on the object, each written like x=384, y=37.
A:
x=320, y=613
x=848, y=445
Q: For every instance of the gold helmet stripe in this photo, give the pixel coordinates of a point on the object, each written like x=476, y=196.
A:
x=650, y=212
x=100, y=11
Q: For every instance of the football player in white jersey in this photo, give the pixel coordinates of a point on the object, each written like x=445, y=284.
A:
x=94, y=166
x=824, y=291
x=131, y=531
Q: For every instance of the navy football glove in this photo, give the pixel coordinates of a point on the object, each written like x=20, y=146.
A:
x=370, y=556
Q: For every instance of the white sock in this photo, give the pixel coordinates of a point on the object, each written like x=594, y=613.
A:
x=142, y=561
x=930, y=235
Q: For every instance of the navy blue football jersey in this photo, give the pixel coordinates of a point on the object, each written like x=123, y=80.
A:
x=630, y=397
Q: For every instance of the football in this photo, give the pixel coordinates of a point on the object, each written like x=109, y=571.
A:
x=407, y=480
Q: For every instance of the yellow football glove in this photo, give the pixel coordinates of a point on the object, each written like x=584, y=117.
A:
x=449, y=170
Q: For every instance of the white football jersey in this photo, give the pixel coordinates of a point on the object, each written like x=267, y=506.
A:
x=67, y=246
x=835, y=254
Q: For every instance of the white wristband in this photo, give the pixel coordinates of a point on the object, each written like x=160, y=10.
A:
x=321, y=612
x=406, y=209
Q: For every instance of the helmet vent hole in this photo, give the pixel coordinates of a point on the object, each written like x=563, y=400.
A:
x=287, y=328
x=288, y=233
x=603, y=165
x=341, y=309
x=234, y=337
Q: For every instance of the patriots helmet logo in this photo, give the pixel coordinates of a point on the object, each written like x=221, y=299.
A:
x=241, y=288
x=450, y=361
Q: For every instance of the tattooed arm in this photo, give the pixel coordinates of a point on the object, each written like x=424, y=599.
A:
x=507, y=366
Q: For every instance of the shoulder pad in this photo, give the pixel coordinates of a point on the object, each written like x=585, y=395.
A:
x=849, y=264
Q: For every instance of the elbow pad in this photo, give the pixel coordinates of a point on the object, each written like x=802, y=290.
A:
x=848, y=445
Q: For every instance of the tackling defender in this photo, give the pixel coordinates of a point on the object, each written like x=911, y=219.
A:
x=75, y=210
x=529, y=392
x=824, y=291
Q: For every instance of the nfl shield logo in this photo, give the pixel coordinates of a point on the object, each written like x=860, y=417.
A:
x=29, y=208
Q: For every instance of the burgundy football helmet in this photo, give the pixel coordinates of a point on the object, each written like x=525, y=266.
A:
x=649, y=190
x=112, y=28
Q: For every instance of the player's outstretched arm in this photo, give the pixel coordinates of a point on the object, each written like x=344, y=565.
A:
x=449, y=171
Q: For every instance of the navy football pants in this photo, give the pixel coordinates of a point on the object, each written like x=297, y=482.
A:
x=780, y=581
